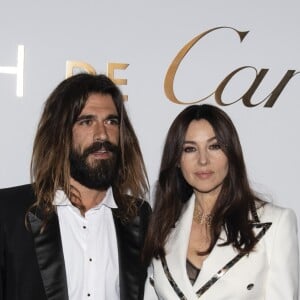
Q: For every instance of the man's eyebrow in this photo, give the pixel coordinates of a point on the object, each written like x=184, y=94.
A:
x=91, y=117
x=85, y=117
x=112, y=116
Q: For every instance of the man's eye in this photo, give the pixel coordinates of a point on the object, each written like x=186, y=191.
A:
x=189, y=149
x=86, y=122
x=215, y=146
x=112, y=121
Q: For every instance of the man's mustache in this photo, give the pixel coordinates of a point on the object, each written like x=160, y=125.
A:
x=100, y=146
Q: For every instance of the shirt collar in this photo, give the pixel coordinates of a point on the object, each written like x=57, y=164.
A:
x=61, y=199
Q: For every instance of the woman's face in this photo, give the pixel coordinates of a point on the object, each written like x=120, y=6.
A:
x=203, y=163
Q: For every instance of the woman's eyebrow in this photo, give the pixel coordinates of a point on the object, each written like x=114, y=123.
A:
x=193, y=142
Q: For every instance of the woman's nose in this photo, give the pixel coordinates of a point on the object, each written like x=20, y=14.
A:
x=203, y=158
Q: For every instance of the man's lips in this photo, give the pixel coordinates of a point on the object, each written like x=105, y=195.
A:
x=103, y=153
x=100, y=150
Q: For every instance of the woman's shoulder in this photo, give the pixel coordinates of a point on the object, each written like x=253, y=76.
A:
x=271, y=212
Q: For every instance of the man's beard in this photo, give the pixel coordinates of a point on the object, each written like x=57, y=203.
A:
x=99, y=174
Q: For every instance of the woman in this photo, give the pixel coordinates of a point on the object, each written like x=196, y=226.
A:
x=210, y=236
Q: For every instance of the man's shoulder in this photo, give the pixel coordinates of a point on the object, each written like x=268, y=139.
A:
x=140, y=209
x=16, y=197
x=143, y=210
x=17, y=189
x=143, y=206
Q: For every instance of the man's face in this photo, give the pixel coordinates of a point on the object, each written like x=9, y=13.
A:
x=94, y=153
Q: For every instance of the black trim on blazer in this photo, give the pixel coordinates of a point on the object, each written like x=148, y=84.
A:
x=130, y=238
x=49, y=252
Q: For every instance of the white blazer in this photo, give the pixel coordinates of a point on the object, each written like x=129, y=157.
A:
x=270, y=272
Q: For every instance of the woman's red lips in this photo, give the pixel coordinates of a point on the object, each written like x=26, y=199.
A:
x=204, y=174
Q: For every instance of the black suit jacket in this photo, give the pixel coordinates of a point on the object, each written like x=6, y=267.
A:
x=32, y=263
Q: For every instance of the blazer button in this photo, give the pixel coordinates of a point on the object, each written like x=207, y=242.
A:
x=250, y=286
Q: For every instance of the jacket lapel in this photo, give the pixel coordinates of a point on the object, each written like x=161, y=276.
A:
x=218, y=262
x=121, y=244
x=176, y=252
x=222, y=259
x=49, y=252
x=130, y=239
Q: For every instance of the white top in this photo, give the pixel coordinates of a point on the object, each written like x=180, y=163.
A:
x=90, y=249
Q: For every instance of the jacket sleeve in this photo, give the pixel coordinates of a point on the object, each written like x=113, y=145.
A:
x=283, y=278
x=2, y=267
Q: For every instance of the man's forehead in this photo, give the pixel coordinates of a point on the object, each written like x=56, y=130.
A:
x=100, y=103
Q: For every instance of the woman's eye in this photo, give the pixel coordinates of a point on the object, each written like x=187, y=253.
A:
x=215, y=146
x=189, y=149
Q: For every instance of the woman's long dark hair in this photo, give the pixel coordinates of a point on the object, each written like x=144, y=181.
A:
x=50, y=166
x=235, y=202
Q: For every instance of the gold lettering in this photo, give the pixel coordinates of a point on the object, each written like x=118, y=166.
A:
x=222, y=85
x=171, y=72
x=281, y=85
x=72, y=65
x=247, y=97
x=111, y=67
x=258, y=79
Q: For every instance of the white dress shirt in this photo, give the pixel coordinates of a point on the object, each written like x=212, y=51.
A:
x=90, y=249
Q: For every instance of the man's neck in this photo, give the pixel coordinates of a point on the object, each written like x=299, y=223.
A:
x=89, y=197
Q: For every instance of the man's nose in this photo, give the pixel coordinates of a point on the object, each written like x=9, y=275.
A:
x=100, y=132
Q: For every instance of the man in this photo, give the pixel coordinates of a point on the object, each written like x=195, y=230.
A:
x=76, y=232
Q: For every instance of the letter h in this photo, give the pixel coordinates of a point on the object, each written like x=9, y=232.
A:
x=18, y=70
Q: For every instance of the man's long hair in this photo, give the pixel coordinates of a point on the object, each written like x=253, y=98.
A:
x=235, y=203
x=50, y=165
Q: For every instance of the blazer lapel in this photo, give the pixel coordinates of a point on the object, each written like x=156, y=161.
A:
x=128, y=239
x=218, y=262
x=222, y=259
x=49, y=252
x=176, y=253
x=120, y=235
